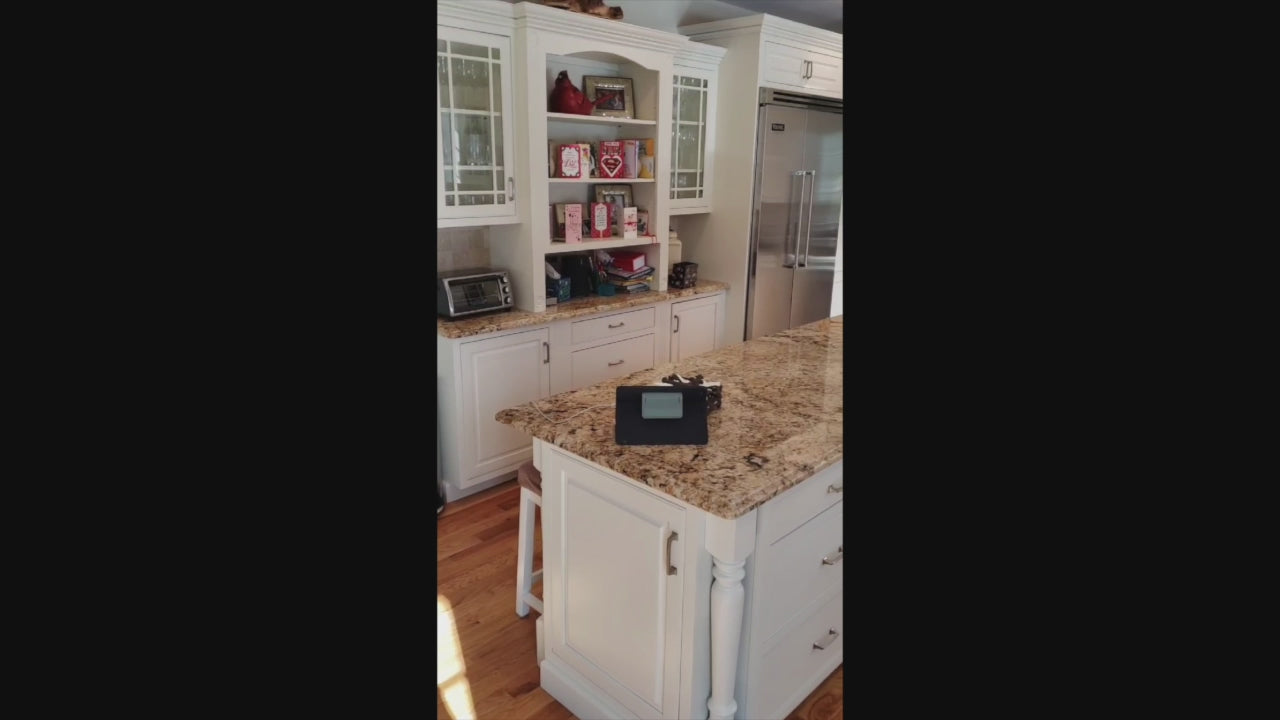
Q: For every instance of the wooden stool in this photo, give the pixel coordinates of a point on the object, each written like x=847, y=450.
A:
x=530, y=481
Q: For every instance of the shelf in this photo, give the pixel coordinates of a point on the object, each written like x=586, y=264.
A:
x=600, y=181
x=588, y=244
x=597, y=120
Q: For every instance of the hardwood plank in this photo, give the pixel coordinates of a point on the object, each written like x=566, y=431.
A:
x=476, y=561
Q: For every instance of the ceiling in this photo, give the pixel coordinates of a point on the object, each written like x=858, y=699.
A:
x=825, y=14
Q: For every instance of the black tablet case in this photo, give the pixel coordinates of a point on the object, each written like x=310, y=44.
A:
x=632, y=429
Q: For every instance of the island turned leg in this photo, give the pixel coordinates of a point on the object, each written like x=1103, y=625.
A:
x=729, y=542
x=726, y=633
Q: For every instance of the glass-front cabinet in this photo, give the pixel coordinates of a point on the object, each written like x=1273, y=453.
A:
x=692, y=139
x=476, y=181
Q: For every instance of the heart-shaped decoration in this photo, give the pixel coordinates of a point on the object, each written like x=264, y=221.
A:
x=611, y=164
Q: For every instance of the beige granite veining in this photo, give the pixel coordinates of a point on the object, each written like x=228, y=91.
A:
x=590, y=305
x=782, y=421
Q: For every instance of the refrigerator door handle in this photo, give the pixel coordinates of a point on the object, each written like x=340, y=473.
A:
x=808, y=225
x=796, y=209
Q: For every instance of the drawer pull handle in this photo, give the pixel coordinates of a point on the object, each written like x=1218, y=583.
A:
x=546, y=359
x=832, y=560
x=677, y=319
x=835, y=489
x=614, y=327
x=615, y=363
x=826, y=641
x=671, y=569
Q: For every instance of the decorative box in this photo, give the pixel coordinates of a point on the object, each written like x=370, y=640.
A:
x=568, y=160
x=629, y=223
x=600, y=226
x=610, y=160
x=646, y=159
x=558, y=288
x=642, y=222
x=683, y=275
x=627, y=260
x=630, y=158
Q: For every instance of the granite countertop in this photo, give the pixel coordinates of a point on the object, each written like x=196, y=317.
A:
x=783, y=407
x=590, y=305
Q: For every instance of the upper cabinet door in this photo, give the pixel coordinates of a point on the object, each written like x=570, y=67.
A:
x=474, y=176
x=693, y=103
x=791, y=68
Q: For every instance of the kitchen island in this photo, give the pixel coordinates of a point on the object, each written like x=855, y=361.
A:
x=693, y=581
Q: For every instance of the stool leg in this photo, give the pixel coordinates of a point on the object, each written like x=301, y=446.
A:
x=524, y=552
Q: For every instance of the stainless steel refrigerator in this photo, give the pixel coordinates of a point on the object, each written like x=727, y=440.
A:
x=796, y=213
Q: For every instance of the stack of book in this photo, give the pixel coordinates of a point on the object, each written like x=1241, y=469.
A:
x=633, y=281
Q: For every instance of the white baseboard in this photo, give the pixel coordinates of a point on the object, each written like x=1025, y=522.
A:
x=574, y=692
x=452, y=493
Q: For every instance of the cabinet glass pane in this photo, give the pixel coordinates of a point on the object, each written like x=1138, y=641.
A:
x=475, y=144
x=486, y=199
x=498, y=157
x=449, y=141
x=686, y=180
x=441, y=46
x=687, y=147
x=475, y=180
x=470, y=84
x=497, y=87
x=448, y=181
x=460, y=48
x=442, y=81
x=690, y=104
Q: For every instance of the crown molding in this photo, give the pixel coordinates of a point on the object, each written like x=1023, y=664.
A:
x=474, y=14
x=769, y=27
x=698, y=54
x=562, y=22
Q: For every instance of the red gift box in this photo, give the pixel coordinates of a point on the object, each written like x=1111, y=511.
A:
x=628, y=260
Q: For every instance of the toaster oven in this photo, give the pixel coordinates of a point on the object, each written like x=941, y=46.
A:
x=466, y=292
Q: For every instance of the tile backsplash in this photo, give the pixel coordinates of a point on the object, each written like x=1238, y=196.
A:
x=458, y=248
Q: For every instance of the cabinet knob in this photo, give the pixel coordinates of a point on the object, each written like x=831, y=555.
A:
x=826, y=641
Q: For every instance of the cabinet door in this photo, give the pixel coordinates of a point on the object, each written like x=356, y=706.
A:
x=792, y=68
x=475, y=176
x=497, y=374
x=693, y=103
x=613, y=586
x=695, y=327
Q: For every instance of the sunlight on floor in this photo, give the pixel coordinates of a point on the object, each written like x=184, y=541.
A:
x=451, y=672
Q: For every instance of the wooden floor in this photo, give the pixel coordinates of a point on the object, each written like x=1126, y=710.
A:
x=486, y=655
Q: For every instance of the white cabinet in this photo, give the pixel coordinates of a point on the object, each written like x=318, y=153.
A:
x=792, y=68
x=615, y=553
x=478, y=379
x=693, y=127
x=635, y=581
x=696, y=326
x=475, y=176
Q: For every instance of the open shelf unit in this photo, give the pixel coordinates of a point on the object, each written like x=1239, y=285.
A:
x=547, y=41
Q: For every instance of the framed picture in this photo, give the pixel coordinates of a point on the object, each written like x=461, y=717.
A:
x=618, y=196
x=618, y=97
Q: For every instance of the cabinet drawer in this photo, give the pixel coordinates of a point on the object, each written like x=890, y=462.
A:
x=612, y=325
x=801, y=503
x=794, y=666
x=597, y=364
x=797, y=573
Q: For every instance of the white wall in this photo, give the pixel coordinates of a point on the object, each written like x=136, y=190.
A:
x=668, y=15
